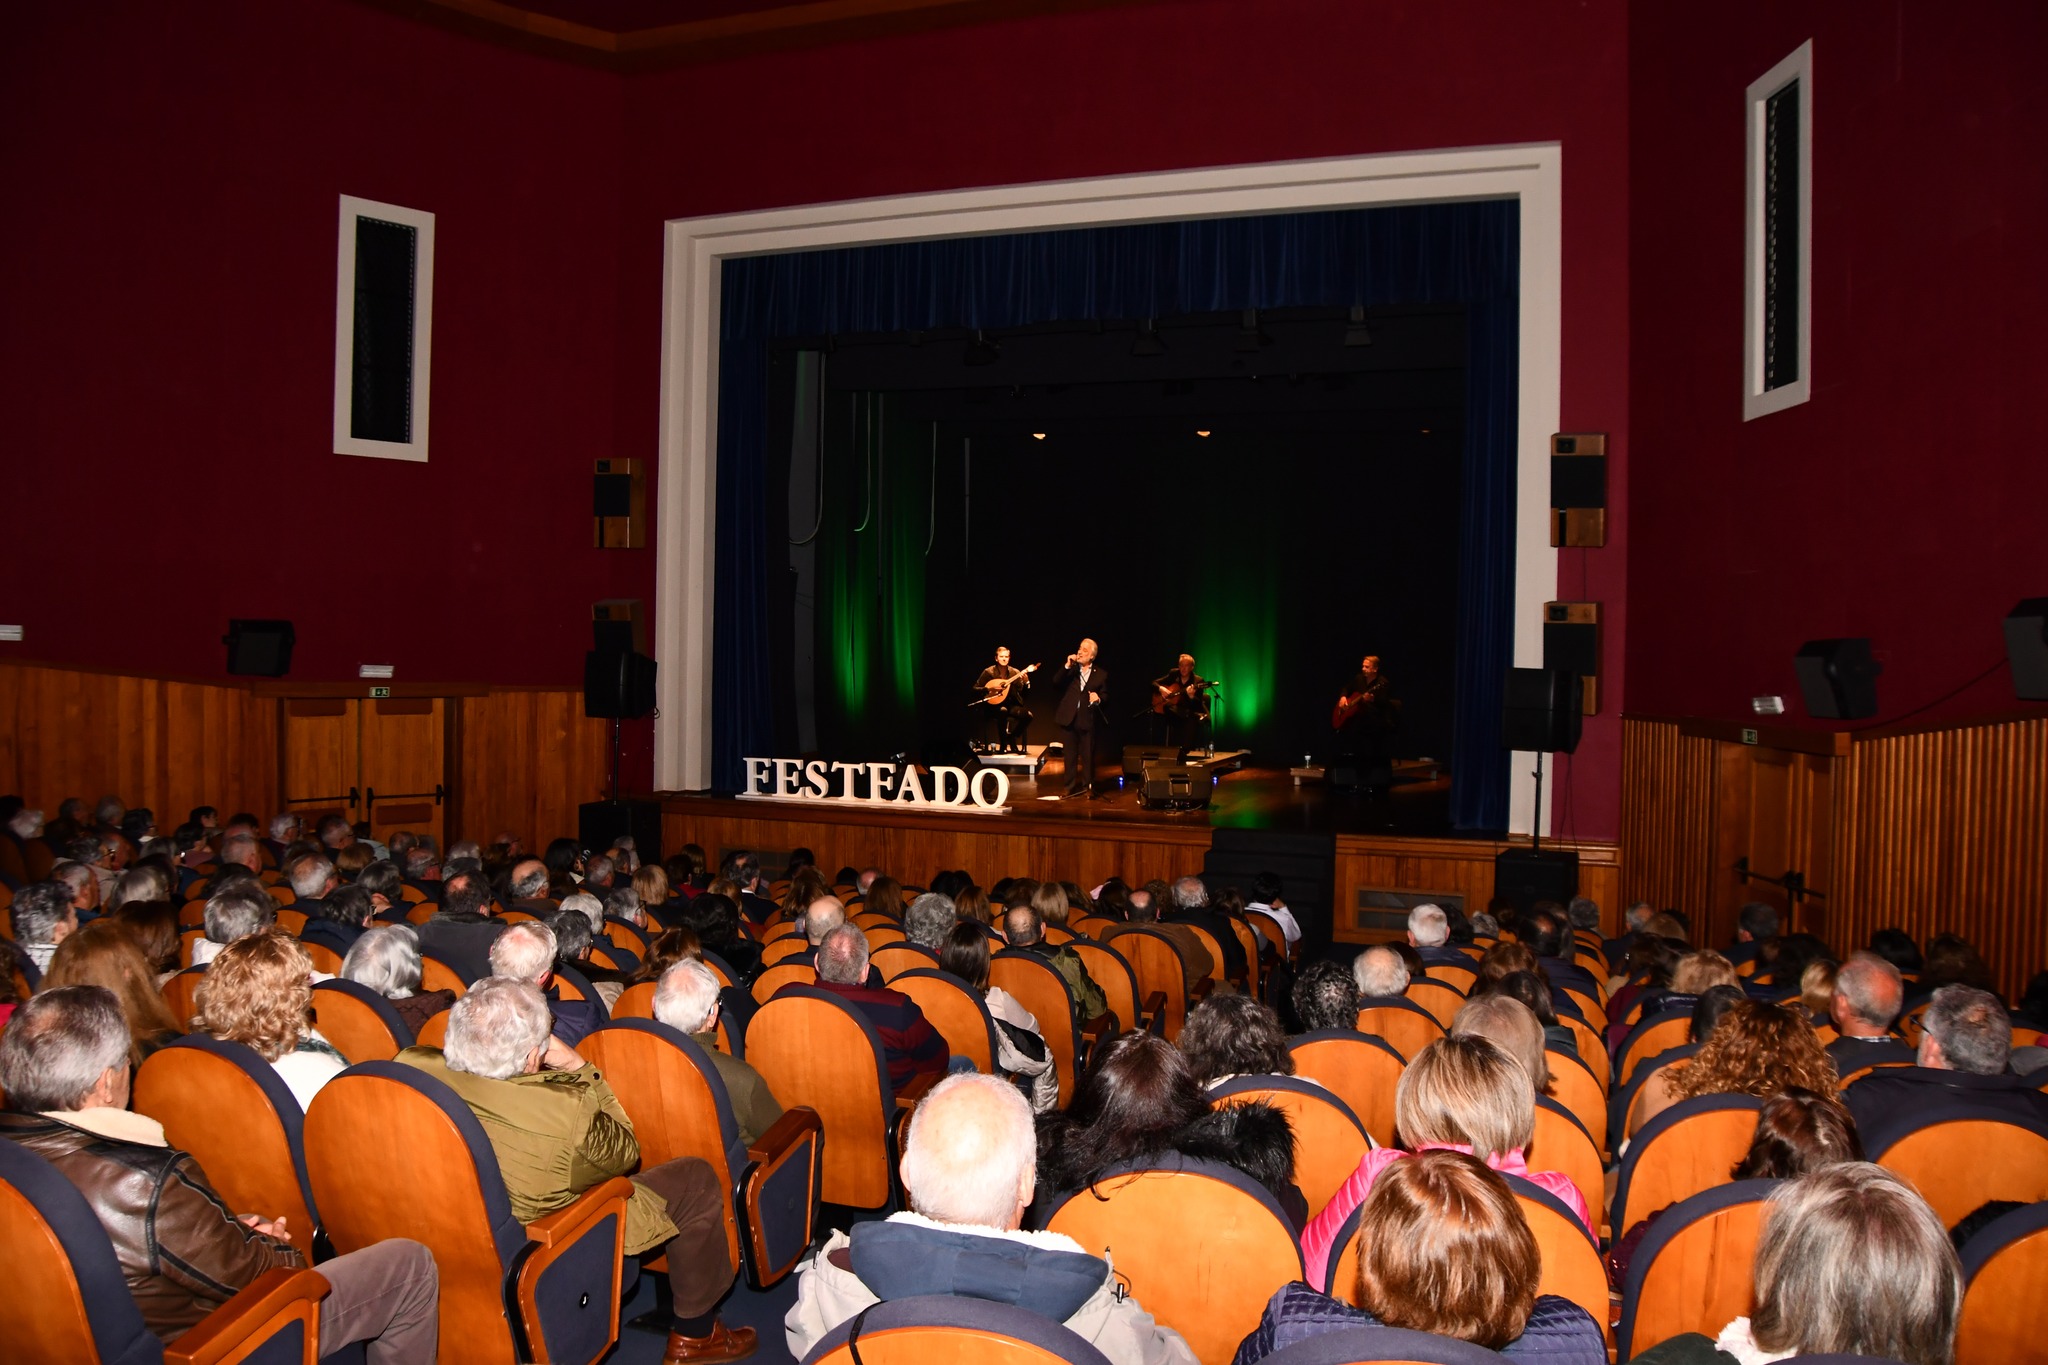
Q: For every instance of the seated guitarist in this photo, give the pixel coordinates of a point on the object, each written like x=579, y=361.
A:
x=1181, y=697
x=1364, y=720
x=1001, y=689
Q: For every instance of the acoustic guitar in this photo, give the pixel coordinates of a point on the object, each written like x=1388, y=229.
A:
x=1170, y=699
x=999, y=688
x=1347, y=707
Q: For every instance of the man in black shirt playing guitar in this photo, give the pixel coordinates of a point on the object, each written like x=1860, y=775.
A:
x=1181, y=700
x=1000, y=689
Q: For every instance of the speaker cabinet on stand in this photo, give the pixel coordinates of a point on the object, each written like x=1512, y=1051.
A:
x=1543, y=711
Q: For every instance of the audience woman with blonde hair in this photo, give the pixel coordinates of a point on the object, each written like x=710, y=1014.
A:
x=1511, y=1026
x=102, y=953
x=651, y=883
x=1446, y=1250
x=259, y=992
x=1462, y=1093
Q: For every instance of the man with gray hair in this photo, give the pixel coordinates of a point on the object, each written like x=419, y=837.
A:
x=1962, y=1070
x=686, y=999
x=1429, y=933
x=64, y=1065
x=313, y=880
x=929, y=920
x=528, y=887
x=910, y=1045
x=1191, y=906
x=242, y=850
x=43, y=918
x=558, y=1130
x=970, y=1169
x=1584, y=913
x=1868, y=994
x=83, y=886
x=236, y=911
x=526, y=952
x=1381, y=976
x=598, y=874
x=1634, y=921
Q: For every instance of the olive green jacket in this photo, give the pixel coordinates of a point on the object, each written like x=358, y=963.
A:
x=556, y=1133
x=754, y=1106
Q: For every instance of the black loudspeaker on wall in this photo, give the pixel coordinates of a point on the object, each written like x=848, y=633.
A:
x=259, y=649
x=617, y=684
x=1838, y=678
x=600, y=823
x=1541, y=710
x=2026, y=646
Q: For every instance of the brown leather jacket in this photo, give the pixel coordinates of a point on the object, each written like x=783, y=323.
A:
x=180, y=1248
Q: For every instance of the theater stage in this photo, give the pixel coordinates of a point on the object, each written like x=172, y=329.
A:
x=1380, y=848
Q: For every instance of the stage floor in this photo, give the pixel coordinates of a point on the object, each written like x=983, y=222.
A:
x=1418, y=802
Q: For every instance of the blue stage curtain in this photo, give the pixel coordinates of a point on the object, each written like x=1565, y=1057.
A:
x=1464, y=253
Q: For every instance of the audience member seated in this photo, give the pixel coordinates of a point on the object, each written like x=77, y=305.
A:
x=1021, y=1051
x=1850, y=1261
x=1897, y=947
x=384, y=884
x=234, y=912
x=526, y=952
x=1817, y=989
x=1267, y=900
x=1429, y=933
x=1025, y=930
x=1547, y=933
x=1756, y=1049
x=1952, y=961
x=1692, y=976
x=1382, y=976
x=259, y=992
x=1782, y=962
x=1755, y=924
x=339, y=920
x=1652, y=958
x=64, y=1063
x=573, y=943
x=1447, y=1250
x=387, y=960
x=1190, y=905
x=1615, y=949
x=716, y=920
x=564, y=861
x=1512, y=1027
x=1326, y=997
x=968, y=1167
x=743, y=870
x=103, y=954
x=910, y=1045
x=558, y=1129
x=152, y=926
x=1465, y=1094
x=43, y=918
x=1196, y=964
x=82, y=886
x=687, y=1001
x=1234, y=1035
x=1529, y=989
x=462, y=931
x=1963, y=1060
x=313, y=879
x=929, y=920
x=1796, y=1131
x=1140, y=1101
x=527, y=888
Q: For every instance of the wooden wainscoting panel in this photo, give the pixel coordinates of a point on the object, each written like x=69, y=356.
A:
x=1944, y=831
x=1667, y=815
x=528, y=759
x=1456, y=867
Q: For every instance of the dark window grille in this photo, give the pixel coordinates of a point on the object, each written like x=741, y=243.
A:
x=380, y=391
x=1781, y=238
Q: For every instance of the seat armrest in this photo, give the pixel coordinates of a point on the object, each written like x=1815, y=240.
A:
x=1100, y=1027
x=913, y=1090
x=563, y=1226
x=1202, y=989
x=272, y=1301
x=785, y=1133
x=1152, y=1014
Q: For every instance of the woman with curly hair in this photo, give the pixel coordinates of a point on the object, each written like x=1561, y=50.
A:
x=1234, y=1035
x=1757, y=1049
x=259, y=992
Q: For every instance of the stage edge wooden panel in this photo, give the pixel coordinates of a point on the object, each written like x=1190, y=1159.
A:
x=1437, y=868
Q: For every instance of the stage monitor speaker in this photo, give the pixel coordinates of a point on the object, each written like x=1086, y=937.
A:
x=618, y=502
x=952, y=753
x=1578, y=488
x=616, y=625
x=1136, y=756
x=617, y=685
x=1571, y=643
x=2026, y=646
x=1838, y=678
x=259, y=649
x=1541, y=710
x=600, y=823
x=1528, y=875
x=1186, y=785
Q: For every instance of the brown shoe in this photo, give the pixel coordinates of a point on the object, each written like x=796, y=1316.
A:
x=724, y=1343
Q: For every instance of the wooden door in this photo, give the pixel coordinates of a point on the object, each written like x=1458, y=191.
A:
x=404, y=765
x=322, y=768
x=1774, y=816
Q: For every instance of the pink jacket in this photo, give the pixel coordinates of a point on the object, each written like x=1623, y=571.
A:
x=1320, y=1235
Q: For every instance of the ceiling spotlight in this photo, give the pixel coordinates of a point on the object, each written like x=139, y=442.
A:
x=980, y=351
x=1250, y=338
x=1200, y=432
x=1148, y=342
x=1355, y=333
x=1038, y=436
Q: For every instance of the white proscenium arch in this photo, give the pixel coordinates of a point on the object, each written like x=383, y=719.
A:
x=695, y=249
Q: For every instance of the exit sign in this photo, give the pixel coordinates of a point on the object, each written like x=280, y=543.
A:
x=1749, y=736
x=385, y=692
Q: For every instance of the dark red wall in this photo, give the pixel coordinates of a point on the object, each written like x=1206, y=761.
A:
x=1905, y=501
x=167, y=341
x=1161, y=87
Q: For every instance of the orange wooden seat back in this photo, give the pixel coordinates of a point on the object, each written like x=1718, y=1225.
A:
x=1561, y=1145
x=211, y=1108
x=2002, y=1307
x=884, y=934
x=882, y=1341
x=181, y=993
x=357, y=1031
x=1158, y=968
x=1441, y=1000
x=673, y=1111
x=420, y=914
x=192, y=914
x=1463, y=978
x=363, y=1201
x=1661, y=1037
x=323, y=958
x=42, y=1314
x=787, y=946
x=568, y=989
x=1699, y=1280
x=1961, y=1165
x=293, y=922
x=1359, y=1073
x=1328, y=1141
x=436, y=975
x=1631, y=1120
x=782, y=974
x=282, y=894
x=1696, y=1153
x=434, y=1032
x=875, y=919
x=1058, y=933
x=623, y=936
x=1040, y=989
x=1571, y=1265
x=1088, y=926
x=635, y=1002
x=1406, y=1031
x=813, y=1052
x=950, y=1007
x=1590, y=1006
x=1572, y=1086
x=1248, y=940
x=1201, y=1255
x=1268, y=929
x=894, y=959
x=1107, y=968
x=1592, y=1051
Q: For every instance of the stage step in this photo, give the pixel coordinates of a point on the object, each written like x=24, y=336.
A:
x=1306, y=864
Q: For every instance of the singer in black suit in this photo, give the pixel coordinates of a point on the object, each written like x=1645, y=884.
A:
x=1084, y=685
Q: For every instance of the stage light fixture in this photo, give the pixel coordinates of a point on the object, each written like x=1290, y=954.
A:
x=980, y=351
x=1148, y=342
x=1038, y=436
x=1355, y=332
x=1250, y=337
x=1200, y=432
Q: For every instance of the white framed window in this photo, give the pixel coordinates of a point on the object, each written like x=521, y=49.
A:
x=383, y=329
x=1777, y=314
